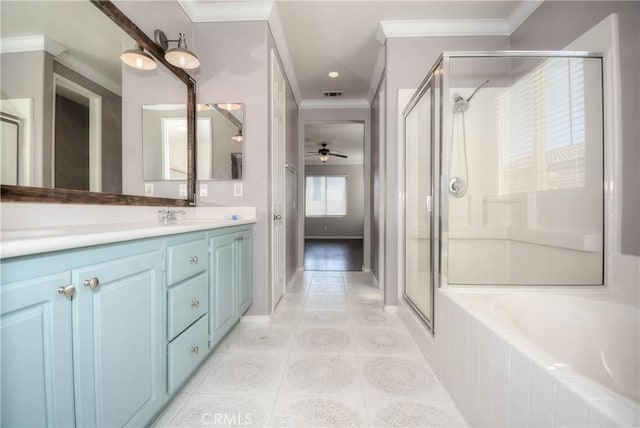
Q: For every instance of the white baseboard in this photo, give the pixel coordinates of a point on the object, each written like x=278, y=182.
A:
x=255, y=319
x=333, y=237
x=391, y=309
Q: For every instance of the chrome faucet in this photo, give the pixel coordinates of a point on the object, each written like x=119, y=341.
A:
x=169, y=214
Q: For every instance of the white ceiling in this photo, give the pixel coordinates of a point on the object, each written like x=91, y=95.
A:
x=318, y=36
x=346, y=138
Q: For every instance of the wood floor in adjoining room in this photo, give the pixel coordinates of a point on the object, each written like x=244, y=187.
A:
x=333, y=254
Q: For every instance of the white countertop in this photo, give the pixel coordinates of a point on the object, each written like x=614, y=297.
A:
x=21, y=242
x=75, y=227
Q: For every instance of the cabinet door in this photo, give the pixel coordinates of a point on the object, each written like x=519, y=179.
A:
x=245, y=270
x=222, y=271
x=118, y=341
x=36, y=369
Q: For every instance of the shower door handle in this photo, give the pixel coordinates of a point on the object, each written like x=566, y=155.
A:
x=429, y=204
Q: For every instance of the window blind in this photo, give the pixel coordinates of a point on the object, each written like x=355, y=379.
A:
x=326, y=196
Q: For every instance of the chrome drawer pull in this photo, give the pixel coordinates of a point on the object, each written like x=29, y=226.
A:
x=92, y=283
x=195, y=349
x=195, y=304
x=193, y=259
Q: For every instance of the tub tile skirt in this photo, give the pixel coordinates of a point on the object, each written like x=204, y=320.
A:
x=497, y=378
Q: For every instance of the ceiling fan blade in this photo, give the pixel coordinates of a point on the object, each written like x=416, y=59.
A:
x=310, y=155
x=338, y=155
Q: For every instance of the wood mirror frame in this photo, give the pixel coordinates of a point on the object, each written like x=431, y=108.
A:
x=47, y=195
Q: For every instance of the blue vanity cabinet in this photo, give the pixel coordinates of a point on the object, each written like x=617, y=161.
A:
x=36, y=359
x=231, y=278
x=187, y=306
x=118, y=341
x=222, y=289
x=92, y=358
x=244, y=270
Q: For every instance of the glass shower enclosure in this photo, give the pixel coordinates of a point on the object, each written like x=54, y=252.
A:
x=503, y=174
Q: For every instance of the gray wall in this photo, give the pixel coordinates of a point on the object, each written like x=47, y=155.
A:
x=408, y=60
x=235, y=67
x=29, y=75
x=378, y=121
x=351, y=225
x=111, y=128
x=553, y=26
x=291, y=191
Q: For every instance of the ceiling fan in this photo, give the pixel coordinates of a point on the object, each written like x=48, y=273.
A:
x=324, y=153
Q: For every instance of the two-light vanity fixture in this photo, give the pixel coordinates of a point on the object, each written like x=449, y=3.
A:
x=179, y=56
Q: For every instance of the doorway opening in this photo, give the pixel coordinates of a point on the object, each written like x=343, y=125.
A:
x=334, y=189
x=77, y=123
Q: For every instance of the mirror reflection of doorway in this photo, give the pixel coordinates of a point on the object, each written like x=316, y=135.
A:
x=10, y=137
x=77, y=160
x=334, y=196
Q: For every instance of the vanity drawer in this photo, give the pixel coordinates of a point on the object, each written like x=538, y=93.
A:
x=187, y=302
x=186, y=260
x=187, y=351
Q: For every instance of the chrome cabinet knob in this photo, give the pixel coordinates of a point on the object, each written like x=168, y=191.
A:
x=92, y=283
x=195, y=304
x=195, y=349
x=193, y=259
x=68, y=290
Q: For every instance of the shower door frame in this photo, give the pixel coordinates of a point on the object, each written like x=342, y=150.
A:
x=432, y=82
x=438, y=79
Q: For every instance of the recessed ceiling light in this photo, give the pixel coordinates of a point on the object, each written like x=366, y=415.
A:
x=333, y=74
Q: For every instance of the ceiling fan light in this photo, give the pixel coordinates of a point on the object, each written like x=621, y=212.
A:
x=324, y=158
x=138, y=58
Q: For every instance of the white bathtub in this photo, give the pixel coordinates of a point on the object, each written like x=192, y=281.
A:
x=554, y=358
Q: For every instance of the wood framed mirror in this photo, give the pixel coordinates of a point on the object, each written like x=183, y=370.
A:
x=43, y=180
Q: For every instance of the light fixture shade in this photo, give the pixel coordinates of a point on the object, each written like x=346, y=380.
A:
x=181, y=56
x=138, y=58
x=324, y=158
x=238, y=136
x=229, y=106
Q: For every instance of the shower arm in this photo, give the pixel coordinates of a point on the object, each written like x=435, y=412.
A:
x=476, y=90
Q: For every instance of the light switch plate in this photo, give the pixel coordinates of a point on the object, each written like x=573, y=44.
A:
x=237, y=189
x=148, y=189
x=204, y=190
x=183, y=190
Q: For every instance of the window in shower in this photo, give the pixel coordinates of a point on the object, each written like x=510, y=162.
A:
x=542, y=139
x=530, y=145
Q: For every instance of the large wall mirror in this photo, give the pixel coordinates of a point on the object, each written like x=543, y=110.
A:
x=219, y=131
x=70, y=109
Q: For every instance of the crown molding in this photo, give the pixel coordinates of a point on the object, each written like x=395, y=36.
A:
x=30, y=44
x=227, y=10
x=521, y=12
x=90, y=73
x=311, y=104
x=282, y=49
x=458, y=27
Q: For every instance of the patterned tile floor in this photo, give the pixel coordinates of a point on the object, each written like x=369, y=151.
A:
x=330, y=357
